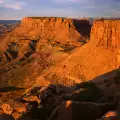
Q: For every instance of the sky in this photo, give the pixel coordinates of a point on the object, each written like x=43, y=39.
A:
x=17, y=9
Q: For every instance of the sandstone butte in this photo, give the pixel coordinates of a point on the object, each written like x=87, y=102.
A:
x=51, y=23
x=57, y=29
x=96, y=61
x=52, y=30
x=63, y=30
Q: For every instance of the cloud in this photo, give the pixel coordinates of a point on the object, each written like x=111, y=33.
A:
x=12, y=4
x=65, y=8
x=75, y=1
x=1, y=1
x=114, y=12
x=62, y=12
x=67, y=1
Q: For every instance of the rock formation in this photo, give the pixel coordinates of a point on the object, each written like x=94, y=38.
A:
x=52, y=23
x=44, y=29
x=40, y=102
x=34, y=43
x=106, y=33
x=47, y=23
x=92, y=61
x=71, y=110
x=111, y=115
x=48, y=28
x=34, y=33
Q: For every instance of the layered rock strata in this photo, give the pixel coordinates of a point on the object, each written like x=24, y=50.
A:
x=106, y=33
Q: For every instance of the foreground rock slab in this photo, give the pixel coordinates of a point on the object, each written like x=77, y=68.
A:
x=111, y=115
x=6, y=117
x=71, y=110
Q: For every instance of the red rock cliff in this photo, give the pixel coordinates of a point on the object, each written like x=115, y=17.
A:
x=57, y=29
x=47, y=22
x=106, y=33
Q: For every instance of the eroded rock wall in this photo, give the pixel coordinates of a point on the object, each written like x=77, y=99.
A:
x=47, y=23
x=106, y=33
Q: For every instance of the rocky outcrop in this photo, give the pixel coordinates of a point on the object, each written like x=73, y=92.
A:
x=92, y=61
x=55, y=102
x=52, y=23
x=111, y=115
x=49, y=27
x=47, y=23
x=72, y=110
x=33, y=32
x=106, y=33
x=15, y=50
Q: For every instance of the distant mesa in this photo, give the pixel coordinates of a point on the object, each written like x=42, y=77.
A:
x=59, y=24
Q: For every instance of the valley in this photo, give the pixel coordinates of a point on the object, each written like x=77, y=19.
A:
x=51, y=67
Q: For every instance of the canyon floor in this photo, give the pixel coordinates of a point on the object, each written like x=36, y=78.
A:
x=60, y=69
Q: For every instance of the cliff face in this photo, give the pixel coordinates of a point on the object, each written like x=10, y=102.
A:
x=94, y=60
x=54, y=31
x=58, y=29
x=43, y=23
x=54, y=23
x=106, y=33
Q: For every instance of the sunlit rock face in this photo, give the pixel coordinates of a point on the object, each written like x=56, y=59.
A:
x=49, y=30
x=49, y=22
x=106, y=33
x=57, y=29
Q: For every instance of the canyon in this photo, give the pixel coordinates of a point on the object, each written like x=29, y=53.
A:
x=40, y=36
x=58, y=56
x=104, y=43
x=7, y=26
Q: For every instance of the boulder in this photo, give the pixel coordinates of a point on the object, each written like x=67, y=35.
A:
x=16, y=109
x=71, y=110
x=32, y=99
x=16, y=115
x=111, y=115
x=7, y=109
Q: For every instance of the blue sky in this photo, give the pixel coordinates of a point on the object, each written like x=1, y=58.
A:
x=17, y=9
